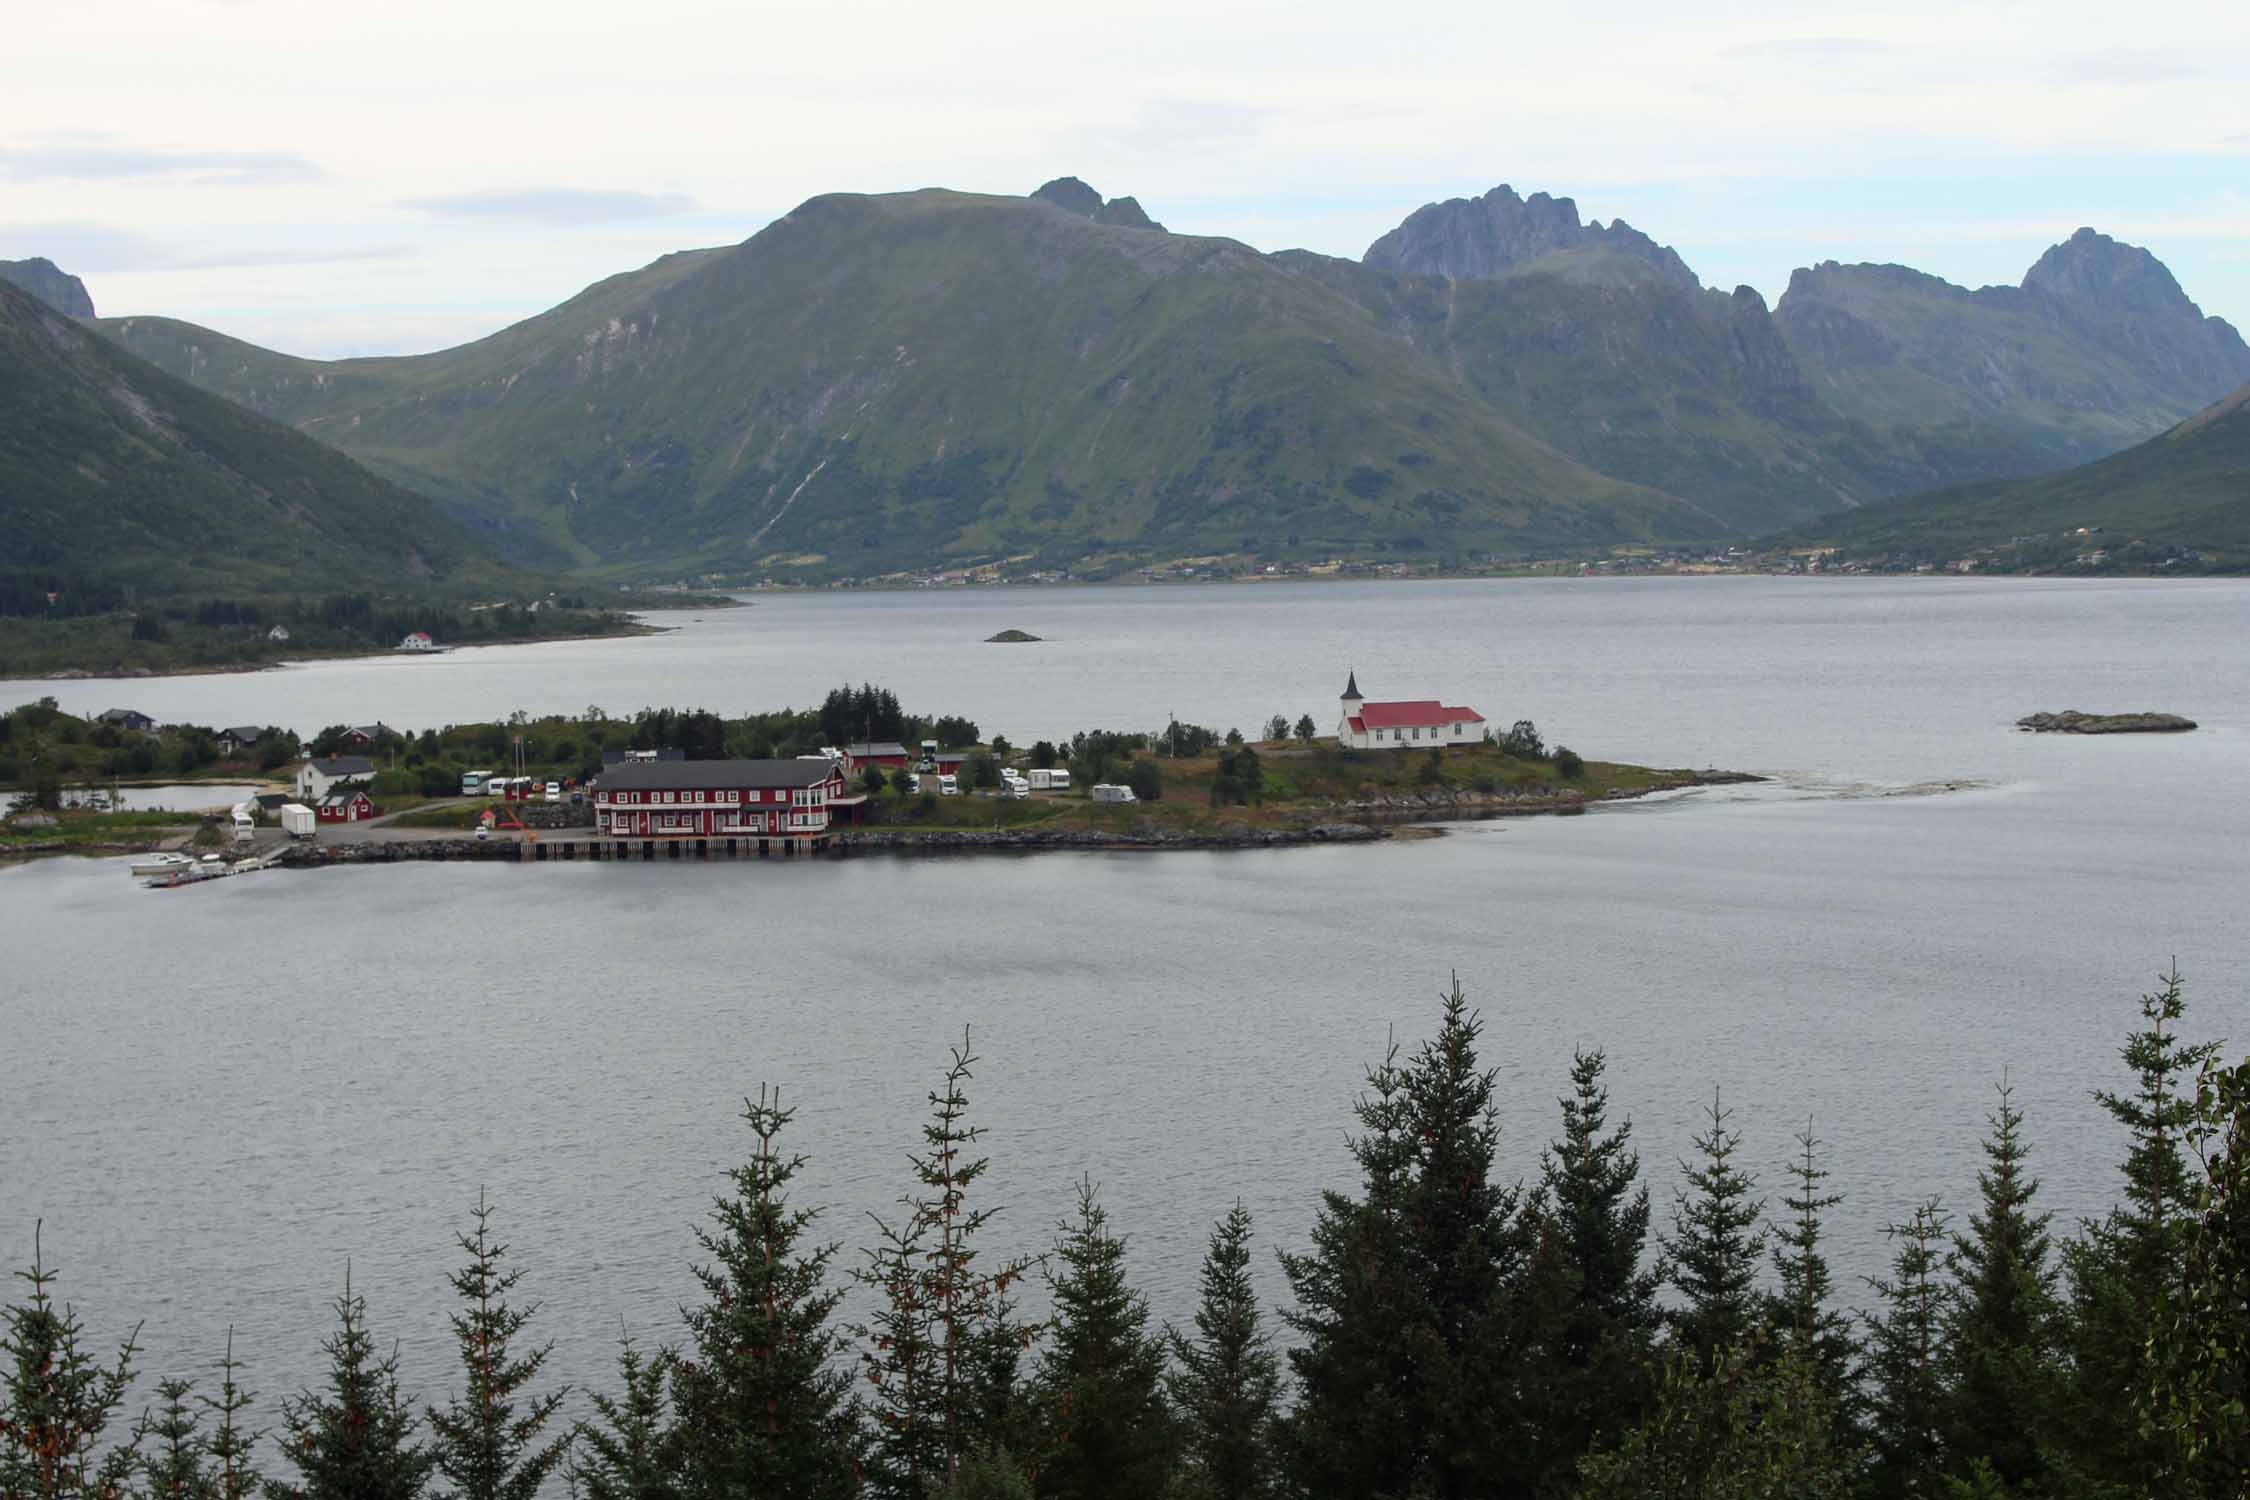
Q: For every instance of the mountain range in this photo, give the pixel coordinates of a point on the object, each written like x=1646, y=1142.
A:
x=111, y=469
x=911, y=380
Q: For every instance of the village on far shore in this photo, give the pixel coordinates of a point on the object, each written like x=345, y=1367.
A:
x=673, y=785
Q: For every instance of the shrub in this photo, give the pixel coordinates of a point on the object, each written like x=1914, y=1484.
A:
x=1568, y=764
x=1146, y=779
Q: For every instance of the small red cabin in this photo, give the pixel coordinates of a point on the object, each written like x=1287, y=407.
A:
x=347, y=804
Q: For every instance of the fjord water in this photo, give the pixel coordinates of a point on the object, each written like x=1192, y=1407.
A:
x=213, y=1097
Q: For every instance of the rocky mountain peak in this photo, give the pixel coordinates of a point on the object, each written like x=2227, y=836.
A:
x=1073, y=196
x=2092, y=268
x=1466, y=238
x=51, y=284
x=2127, y=300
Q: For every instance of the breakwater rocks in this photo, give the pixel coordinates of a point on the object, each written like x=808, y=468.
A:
x=1138, y=836
x=373, y=852
x=1439, y=802
x=2071, y=721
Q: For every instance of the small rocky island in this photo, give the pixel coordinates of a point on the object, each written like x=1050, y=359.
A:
x=1009, y=637
x=2071, y=721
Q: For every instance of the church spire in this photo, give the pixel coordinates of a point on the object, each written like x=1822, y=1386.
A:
x=1351, y=689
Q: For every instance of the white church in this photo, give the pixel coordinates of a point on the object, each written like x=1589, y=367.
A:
x=1416, y=722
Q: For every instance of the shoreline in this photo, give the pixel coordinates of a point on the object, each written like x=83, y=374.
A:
x=245, y=668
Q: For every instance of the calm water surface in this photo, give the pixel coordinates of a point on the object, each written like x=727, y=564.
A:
x=215, y=1096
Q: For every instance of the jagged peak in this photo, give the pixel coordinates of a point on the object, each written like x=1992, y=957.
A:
x=1469, y=238
x=51, y=284
x=1073, y=196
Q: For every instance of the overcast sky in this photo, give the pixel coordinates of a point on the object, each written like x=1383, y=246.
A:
x=340, y=178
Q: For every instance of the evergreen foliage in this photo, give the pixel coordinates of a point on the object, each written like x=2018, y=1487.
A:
x=1106, y=1431
x=233, y=1475
x=1715, y=1245
x=1801, y=1311
x=175, y=1468
x=1227, y=1379
x=942, y=1349
x=2001, y=1327
x=631, y=1452
x=1903, y=1368
x=489, y=1439
x=356, y=1439
x=1598, y=1211
x=764, y=1401
x=1753, y=1427
x=60, y=1400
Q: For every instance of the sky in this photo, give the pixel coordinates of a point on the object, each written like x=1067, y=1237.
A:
x=349, y=178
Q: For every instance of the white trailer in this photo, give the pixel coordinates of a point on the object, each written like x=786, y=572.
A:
x=297, y=820
x=1058, y=779
x=1109, y=792
x=1040, y=780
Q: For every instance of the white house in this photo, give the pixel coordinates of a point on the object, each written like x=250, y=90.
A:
x=1416, y=723
x=316, y=778
x=417, y=640
x=278, y=633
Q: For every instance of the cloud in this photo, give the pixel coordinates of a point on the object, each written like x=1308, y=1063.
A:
x=2128, y=65
x=86, y=248
x=555, y=206
x=1808, y=49
x=83, y=160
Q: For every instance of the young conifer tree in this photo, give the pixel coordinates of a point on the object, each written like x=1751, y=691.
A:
x=1801, y=1311
x=233, y=1475
x=632, y=1451
x=1411, y=1302
x=354, y=1440
x=1715, y=1245
x=764, y=1406
x=174, y=1468
x=1227, y=1380
x=2127, y=1266
x=2002, y=1327
x=1106, y=1431
x=58, y=1400
x=944, y=1344
x=1599, y=1346
x=490, y=1442
x=1904, y=1369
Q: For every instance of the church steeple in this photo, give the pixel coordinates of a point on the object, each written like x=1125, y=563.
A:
x=1351, y=689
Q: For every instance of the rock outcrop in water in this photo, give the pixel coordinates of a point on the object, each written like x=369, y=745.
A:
x=1008, y=637
x=2071, y=721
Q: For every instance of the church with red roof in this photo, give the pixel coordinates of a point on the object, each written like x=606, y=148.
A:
x=1405, y=725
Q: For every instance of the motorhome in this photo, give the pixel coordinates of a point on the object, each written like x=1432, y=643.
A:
x=472, y=783
x=929, y=756
x=1055, y=779
x=948, y=785
x=1105, y=792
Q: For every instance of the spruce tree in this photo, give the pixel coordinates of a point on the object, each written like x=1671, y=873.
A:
x=1715, y=1245
x=355, y=1440
x=1801, y=1311
x=2196, y=1398
x=2126, y=1267
x=489, y=1439
x=233, y=1475
x=59, y=1400
x=1904, y=1369
x=764, y=1403
x=1411, y=1302
x=1599, y=1345
x=944, y=1343
x=1107, y=1434
x=2001, y=1328
x=174, y=1467
x=1226, y=1386
x=631, y=1453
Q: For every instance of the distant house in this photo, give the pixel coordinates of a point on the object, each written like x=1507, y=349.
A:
x=130, y=719
x=1404, y=725
x=417, y=640
x=614, y=758
x=238, y=738
x=317, y=778
x=364, y=735
x=883, y=753
x=278, y=633
x=346, y=804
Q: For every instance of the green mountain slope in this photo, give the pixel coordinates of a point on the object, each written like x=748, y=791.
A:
x=2188, y=488
x=899, y=381
x=112, y=470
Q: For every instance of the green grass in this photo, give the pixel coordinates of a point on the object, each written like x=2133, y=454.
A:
x=139, y=830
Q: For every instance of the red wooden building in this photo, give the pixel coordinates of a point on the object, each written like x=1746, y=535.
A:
x=346, y=804
x=722, y=799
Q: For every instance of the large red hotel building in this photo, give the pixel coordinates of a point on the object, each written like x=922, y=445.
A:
x=790, y=800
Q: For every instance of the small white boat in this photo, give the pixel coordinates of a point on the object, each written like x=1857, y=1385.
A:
x=162, y=864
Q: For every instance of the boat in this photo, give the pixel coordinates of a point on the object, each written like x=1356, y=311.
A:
x=162, y=864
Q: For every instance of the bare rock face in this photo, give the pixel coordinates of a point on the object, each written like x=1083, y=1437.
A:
x=1466, y=238
x=2071, y=721
x=2125, y=299
x=1075, y=197
x=51, y=284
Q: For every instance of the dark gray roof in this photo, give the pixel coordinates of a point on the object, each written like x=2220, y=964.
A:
x=1351, y=686
x=879, y=747
x=272, y=800
x=691, y=775
x=243, y=732
x=120, y=715
x=345, y=765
